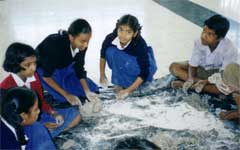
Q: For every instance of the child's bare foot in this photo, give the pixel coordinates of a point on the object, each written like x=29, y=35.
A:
x=117, y=88
x=177, y=84
x=229, y=115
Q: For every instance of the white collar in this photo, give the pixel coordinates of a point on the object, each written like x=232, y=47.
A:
x=74, y=51
x=21, y=83
x=9, y=126
x=116, y=42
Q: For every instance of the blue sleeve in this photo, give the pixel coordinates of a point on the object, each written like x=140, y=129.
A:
x=143, y=61
x=47, y=57
x=8, y=140
x=141, y=51
x=106, y=43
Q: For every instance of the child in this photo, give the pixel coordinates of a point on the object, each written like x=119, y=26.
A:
x=19, y=112
x=61, y=64
x=231, y=84
x=211, y=53
x=128, y=56
x=20, y=60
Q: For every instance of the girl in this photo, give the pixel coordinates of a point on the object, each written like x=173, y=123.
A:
x=19, y=112
x=128, y=56
x=61, y=64
x=20, y=60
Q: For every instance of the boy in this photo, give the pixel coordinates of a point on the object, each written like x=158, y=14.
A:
x=211, y=53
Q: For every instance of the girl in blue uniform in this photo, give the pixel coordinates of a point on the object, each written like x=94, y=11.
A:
x=61, y=64
x=20, y=61
x=128, y=56
x=19, y=129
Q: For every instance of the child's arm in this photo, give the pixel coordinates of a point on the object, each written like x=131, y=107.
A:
x=192, y=73
x=124, y=93
x=135, y=85
x=103, y=78
x=102, y=66
x=191, y=79
x=55, y=86
x=90, y=95
x=84, y=85
x=69, y=97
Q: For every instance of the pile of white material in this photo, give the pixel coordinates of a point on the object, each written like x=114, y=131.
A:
x=169, y=118
x=90, y=108
x=180, y=116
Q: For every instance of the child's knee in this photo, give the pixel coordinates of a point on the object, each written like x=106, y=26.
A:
x=75, y=122
x=173, y=67
x=77, y=119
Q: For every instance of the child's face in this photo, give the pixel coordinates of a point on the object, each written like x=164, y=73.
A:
x=29, y=66
x=31, y=117
x=208, y=36
x=80, y=41
x=125, y=34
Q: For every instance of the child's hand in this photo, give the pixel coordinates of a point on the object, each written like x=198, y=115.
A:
x=103, y=81
x=187, y=84
x=92, y=97
x=59, y=118
x=73, y=100
x=123, y=94
x=200, y=85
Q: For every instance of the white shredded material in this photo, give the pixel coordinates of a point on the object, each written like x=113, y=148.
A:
x=216, y=79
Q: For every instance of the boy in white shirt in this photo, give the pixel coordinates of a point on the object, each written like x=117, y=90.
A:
x=211, y=53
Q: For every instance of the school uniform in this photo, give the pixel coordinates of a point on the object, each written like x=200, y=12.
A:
x=8, y=136
x=34, y=83
x=37, y=137
x=64, y=65
x=212, y=62
x=134, y=60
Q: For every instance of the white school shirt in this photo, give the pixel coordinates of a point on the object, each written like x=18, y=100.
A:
x=21, y=83
x=116, y=42
x=224, y=54
x=74, y=51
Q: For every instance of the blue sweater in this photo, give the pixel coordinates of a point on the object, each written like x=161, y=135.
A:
x=54, y=53
x=8, y=139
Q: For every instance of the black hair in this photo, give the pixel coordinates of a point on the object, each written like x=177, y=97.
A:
x=15, y=54
x=129, y=20
x=79, y=26
x=14, y=102
x=219, y=24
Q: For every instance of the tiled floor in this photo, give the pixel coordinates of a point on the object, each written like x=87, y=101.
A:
x=229, y=8
x=170, y=34
x=180, y=118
